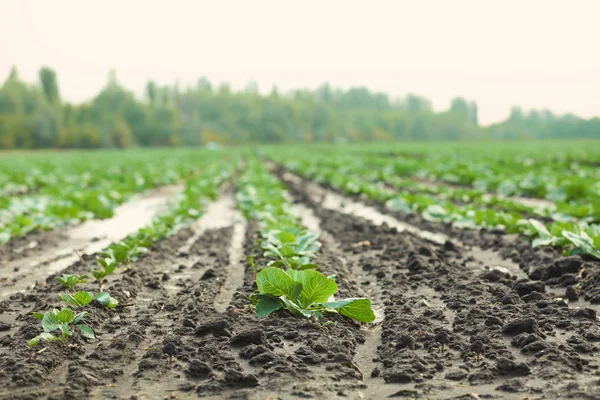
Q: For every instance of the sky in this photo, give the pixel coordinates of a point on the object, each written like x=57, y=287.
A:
x=535, y=54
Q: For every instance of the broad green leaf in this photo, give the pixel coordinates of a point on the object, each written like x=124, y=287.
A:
x=267, y=305
x=83, y=298
x=277, y=282
x=65, y=315
x=103, y=297
x=50, y=321
x=286, y=237
x=316, y=287
x=583, y=242
x=357, y=309
x=86, y=331
x=287, y=251
x=38, y=315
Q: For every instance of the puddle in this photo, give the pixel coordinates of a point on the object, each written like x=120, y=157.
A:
x=87, y=238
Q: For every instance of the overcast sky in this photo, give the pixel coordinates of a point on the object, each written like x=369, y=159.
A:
x=537, y=54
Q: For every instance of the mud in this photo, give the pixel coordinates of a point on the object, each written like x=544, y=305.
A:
x=46, y=254
x=448, y=325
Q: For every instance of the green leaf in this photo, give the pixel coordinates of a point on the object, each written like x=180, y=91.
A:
x=50, y=321
x=583, y=242
x=540, y=228
x=294, y=309
x=83, y=298
x=357, y=309
x=287, y=251
x=67, y=298
x=286, y=237
x=64, y=328
x=86, y=331
x=306, y=266
x=112, y=303
x=267, y=305
x=42, y=336
x=316, y=287
x=79, y=317
x=103, y=297
x=65, y=315
x=38, y=315
x=277, y=282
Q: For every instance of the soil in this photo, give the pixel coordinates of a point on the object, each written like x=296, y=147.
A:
x=448, y=324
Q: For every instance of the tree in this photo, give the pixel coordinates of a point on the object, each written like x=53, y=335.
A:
x=49, y=85
x=151, y=92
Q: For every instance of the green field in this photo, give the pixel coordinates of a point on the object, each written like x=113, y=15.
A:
x=301, y=270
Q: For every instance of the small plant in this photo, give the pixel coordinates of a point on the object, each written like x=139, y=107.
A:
x=82, y=299
x=292, y=247
x=108, y=263
x=71, y=280
x=307, y=293
x=61, y=321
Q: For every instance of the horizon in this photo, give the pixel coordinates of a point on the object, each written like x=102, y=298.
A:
x=511, y=56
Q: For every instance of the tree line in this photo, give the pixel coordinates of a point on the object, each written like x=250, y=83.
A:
x=35, y=116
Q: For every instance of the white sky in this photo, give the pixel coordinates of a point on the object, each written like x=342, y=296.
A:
x=540, y=54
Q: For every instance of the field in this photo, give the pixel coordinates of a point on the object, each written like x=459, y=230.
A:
x=403, y=270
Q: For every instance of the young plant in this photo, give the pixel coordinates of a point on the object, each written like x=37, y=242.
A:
x=307, y=293
x=108, y=263
x=82, y=299
x=71, y=280
x=61, y=321
x=293, y=248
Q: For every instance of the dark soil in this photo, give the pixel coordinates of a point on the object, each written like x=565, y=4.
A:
x=444, y=328
x=37, y=242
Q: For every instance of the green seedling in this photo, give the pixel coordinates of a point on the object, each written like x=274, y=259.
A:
x=61, y=321
x=82, y=299
x=307, y=293
x=292, y=248
x=108, y=263
x=71, y=280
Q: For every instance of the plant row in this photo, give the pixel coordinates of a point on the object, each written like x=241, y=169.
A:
x=94, y=190
x=190, y=204
x=574, y=236
x=289, y=280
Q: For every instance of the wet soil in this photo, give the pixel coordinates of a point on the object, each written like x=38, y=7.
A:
x=447, y=326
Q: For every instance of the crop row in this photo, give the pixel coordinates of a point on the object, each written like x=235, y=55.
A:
x=190, y=204
x=528, y=174
x=94, y=191
x=575, y=236
x=289, y=280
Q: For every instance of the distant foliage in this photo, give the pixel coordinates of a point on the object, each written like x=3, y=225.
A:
x=35, y=116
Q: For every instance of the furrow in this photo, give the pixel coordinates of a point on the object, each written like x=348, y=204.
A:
x=453, y=327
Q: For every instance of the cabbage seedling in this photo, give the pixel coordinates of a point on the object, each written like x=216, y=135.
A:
x=307, y=293
x=82, y=299
x=61, y=321
x=108, y=263
x=71, y=280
